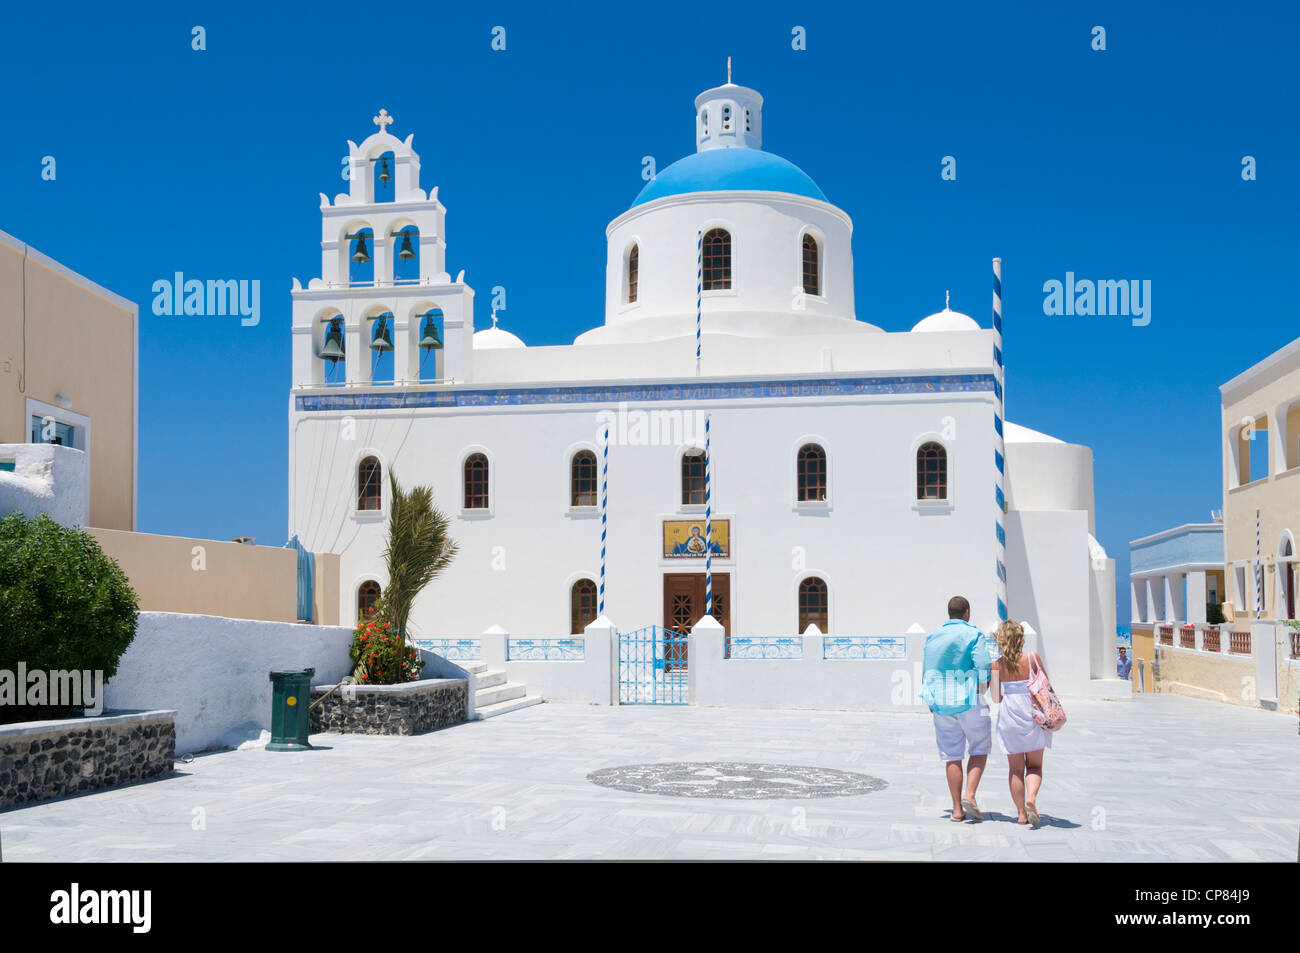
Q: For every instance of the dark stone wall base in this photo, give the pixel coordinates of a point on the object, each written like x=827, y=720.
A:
x=40, y=761
x=409, y=709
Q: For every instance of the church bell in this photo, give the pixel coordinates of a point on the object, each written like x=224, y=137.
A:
x=333, y=349
x=362, y=254
x=383, y=336
x=429, y=340
x=406, y=252
x=384, y=175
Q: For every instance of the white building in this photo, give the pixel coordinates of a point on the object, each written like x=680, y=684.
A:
x=852, y=470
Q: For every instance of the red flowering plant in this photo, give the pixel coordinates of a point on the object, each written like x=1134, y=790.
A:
x=379, y=653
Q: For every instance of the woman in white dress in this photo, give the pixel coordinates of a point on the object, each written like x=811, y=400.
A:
x=1018, y=734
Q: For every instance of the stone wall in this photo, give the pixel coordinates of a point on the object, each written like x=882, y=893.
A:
x=409, y=709
x=42, y=760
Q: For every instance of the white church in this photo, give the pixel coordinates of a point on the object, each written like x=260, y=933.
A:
x=851, y=470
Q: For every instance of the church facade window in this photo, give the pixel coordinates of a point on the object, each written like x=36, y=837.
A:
x=633, y=274
x=476, y=482
x=582, y=606
x=811, y=472
x=812, y=277
x=367, y=595
x=370, y=484
x=582, y=479
x=693, y=478
x=717, y=260
x=814, y=604
x=704, y=122
x=932, y=472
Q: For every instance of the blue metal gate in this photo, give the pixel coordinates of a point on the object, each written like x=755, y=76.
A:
x=652, y=667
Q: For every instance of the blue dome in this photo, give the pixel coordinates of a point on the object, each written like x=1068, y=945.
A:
x=718, y=170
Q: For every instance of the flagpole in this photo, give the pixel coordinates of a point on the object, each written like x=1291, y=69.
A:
x=699, y=294
x=708, y=525
x=999, y=442
x=604, y=507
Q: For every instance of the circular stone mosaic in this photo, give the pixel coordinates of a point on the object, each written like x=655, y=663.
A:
x=735, y=779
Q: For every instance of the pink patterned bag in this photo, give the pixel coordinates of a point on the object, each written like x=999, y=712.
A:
x=1048, y=712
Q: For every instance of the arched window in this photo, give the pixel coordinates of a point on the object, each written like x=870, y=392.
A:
x=812, y=474
x=582, y=606
x=704, y=122
x=932, y=472
x=748, y=125
x=717, y=259
x=693, y=477
x=814, y=604
x=370, y=484
x=726, y=118
x=367, y=596
x=582, y=479
x=633, y=272
x=361, y=248
x=476, y=482
x=812, y=276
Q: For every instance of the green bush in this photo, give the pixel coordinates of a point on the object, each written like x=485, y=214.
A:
x=1214, y=613
x=64, y=604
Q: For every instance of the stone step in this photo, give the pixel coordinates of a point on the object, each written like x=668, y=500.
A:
x=490, y=696
x=489, y=679
x=500, y=708
x=474, y=668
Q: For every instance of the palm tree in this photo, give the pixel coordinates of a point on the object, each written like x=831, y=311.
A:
x=417, y=551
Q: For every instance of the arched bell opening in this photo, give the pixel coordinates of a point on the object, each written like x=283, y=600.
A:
x=428, y=325
x=361, y=250
x=406, y=257
x=332, y=349
x=380, y=340
x=383, y=168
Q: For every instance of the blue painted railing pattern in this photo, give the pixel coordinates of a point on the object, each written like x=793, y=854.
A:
x=454, y=650
x=843, y=648
x=778, y=648
x=546, y=650
x=652, y=667
x=613, y=393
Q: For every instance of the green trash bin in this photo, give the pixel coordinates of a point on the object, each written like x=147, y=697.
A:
x=290, y=705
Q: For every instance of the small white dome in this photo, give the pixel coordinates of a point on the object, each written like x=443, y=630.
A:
x=947, y=320
x=495, y=338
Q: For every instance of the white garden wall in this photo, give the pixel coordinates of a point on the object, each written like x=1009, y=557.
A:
x=214, y=671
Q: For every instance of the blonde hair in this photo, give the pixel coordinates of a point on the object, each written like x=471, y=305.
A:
x=1011, y=640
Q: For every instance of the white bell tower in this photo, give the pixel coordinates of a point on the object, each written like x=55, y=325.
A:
x=727, y=117
x=383, y=269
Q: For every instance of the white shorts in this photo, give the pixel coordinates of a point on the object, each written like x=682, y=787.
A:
x=953, y=732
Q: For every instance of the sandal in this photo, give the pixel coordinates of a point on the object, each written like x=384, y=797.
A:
x=972, y=809
x=1032, y=814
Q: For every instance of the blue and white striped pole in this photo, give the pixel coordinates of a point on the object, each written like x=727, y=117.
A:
x=999, y=441
x=1259, y=573
x=604, y=505
x=699, y=295
x=708, y=524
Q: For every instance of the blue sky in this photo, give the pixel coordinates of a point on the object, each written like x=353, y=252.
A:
x=1117, y=164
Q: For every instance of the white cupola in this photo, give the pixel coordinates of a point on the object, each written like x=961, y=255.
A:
x=728, y=116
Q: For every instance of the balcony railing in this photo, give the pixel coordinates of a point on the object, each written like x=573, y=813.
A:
x=1187, y=637
x=1239, y=643
x=1210, y=640
x=1166, y=634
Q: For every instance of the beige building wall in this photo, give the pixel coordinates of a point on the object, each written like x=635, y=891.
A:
x=209, y=577
x=1222, y=678
x=1267, y=395
x=66, y=340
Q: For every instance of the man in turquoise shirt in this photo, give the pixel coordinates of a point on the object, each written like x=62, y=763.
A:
x=956, y=673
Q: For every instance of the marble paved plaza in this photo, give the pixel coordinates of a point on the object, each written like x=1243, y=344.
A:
x=1158, y=778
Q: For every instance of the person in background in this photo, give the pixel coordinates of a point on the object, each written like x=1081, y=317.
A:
x=955, y=675
x=1124, y=664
